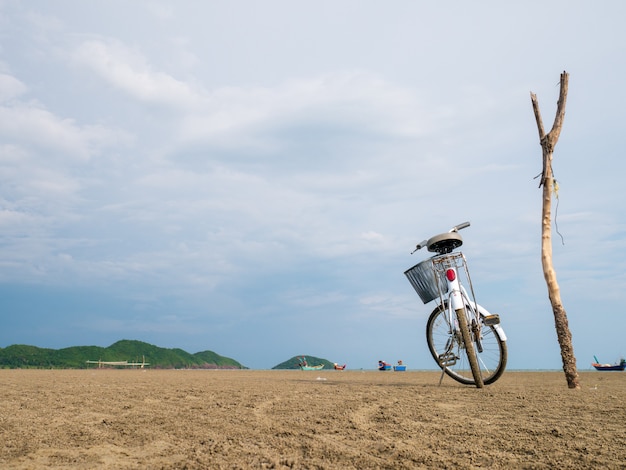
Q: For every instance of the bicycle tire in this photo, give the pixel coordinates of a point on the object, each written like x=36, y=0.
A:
x=448, y=350
x=470, y=351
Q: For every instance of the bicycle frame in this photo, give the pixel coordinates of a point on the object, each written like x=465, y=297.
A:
x=457, y=298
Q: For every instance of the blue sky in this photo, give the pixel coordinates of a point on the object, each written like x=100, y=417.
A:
x=250, y=177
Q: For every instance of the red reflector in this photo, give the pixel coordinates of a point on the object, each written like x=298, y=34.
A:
x=451, y=275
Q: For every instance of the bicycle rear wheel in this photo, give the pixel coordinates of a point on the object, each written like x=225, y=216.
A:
x=448, y=349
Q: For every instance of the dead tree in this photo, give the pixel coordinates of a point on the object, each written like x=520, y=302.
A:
x=548, y=142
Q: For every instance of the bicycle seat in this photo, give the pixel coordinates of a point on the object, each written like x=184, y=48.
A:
x=444, y=242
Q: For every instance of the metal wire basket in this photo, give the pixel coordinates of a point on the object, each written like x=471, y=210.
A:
x=425, y=280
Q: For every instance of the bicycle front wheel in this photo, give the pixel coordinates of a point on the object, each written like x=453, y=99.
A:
x=448, y=349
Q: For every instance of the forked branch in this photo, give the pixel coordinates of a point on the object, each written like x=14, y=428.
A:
x=548, y=141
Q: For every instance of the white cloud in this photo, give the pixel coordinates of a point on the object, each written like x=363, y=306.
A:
x=128, y=70
x=30, y=125
x=354, y=100
x=10, y=87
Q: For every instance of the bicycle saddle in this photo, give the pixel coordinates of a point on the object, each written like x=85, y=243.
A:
x=444, y=242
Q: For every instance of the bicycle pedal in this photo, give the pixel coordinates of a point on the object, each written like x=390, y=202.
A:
x=493, y=319
x=447, y=359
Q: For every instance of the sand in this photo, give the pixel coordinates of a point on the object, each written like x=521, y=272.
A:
x=175, y=419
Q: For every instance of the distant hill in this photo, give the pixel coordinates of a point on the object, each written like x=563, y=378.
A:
x=76, y=357
x=311, y=360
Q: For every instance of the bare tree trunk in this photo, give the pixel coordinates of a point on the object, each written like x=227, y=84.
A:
x=548, y=142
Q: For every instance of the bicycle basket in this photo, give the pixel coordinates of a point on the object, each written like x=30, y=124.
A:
x=424, y=280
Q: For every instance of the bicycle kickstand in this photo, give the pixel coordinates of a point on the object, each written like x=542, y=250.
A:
x=443, y=372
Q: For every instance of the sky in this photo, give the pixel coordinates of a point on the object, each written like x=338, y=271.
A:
x=250, y=177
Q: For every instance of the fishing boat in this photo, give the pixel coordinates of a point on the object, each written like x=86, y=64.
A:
x=338, y=367
x=305, y=366
x=399, y=367
x=621, y=365
x=382, y=365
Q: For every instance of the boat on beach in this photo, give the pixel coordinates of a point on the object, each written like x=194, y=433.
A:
x=399, y=367
x=621, y=365
x=305, y=366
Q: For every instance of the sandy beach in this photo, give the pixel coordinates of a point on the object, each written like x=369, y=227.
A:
x=174, y=419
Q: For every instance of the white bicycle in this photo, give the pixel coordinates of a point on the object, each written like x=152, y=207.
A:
x=466, y=341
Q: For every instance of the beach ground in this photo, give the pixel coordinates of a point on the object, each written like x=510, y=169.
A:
x=175, y=419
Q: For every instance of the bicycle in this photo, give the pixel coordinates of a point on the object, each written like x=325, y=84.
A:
x=466, y=341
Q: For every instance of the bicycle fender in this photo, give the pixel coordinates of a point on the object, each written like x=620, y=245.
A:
x=500, y=332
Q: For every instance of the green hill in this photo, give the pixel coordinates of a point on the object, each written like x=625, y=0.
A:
x=311, y=360
x=76, y=357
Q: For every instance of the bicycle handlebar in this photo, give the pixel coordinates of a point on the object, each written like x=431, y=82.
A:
x=456, y=228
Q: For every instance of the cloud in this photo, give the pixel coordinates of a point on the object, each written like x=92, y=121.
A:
x=10, y=87
x=240, y=115
x=29, y=125
x=129, y=71
x=354, y=100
